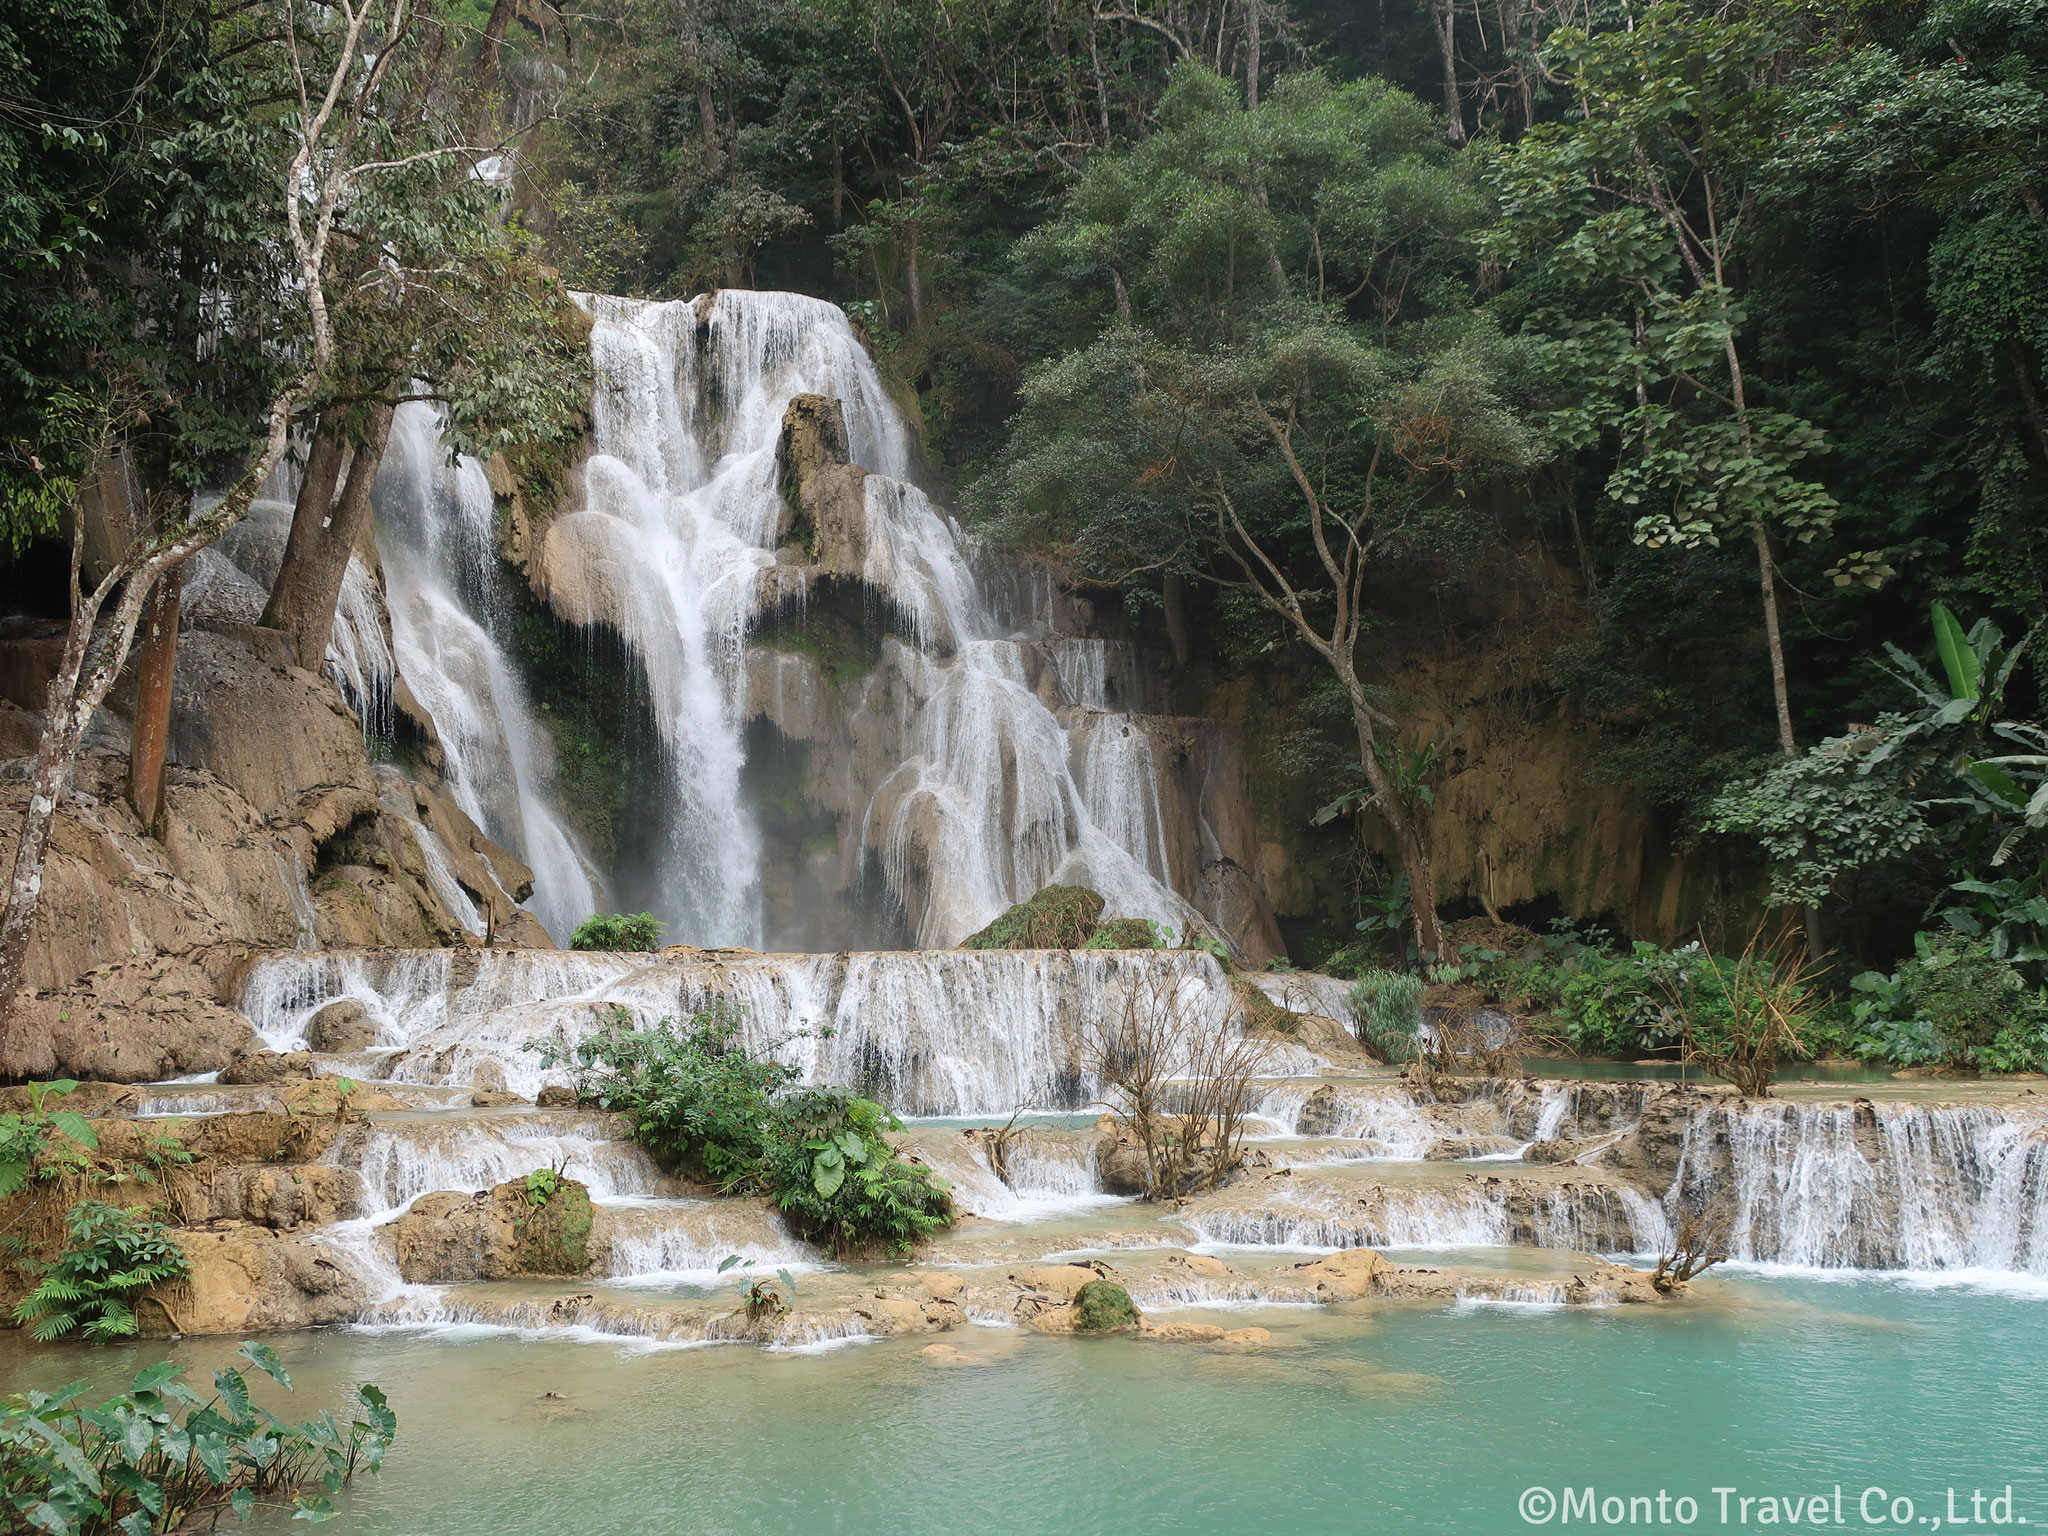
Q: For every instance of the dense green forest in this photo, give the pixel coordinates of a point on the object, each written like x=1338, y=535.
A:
x=1246, y=312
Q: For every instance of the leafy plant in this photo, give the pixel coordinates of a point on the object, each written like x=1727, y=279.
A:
x=542, y=1185
x=830, y=1167
x=1386, y=1012
x=768, y=1296
x=638, y=932
x=111, y=1258
x=702, y=1103
x=1056, y=917
x=43, y=1142
x=160, y=1456
x=1752, y=1017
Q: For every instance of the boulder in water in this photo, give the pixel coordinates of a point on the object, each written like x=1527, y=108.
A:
x=342, y=1027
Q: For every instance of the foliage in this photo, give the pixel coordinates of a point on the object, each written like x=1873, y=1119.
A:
x=695, y=1096
x=110, y=1258
x=1057, y=917
x=1130, y=933
x=830, y=1167
x=1103, y=1306
x=1386, y=1011
x=702, y=1103
x=161, y=1456
x=767, y=1296
x=1741, y=1018
x=43, y=1142
x=637, y=933
x=1956, y=1002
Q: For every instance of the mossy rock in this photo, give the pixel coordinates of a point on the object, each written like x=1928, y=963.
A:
x=1125, y=933
x=1103, y=1306
x=553, y=1238
x=1058, y=917
x=1261, y=1014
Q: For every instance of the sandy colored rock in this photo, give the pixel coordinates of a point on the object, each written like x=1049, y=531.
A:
x=896, y=1314
x=556, y=1096
x=1350, y=1274
x=943, y=1354
x=322, y=1097
x=1205, y=1265
x=1182, y=1333
x=284, y=1199
x=341, y=1028
x=452, y=1238
x=135, y=1021
x=943, y=1287
x=1247, y=1336
x=266, y=1066
x=1062, y=1280
x=495, y=1098
x=248, y=1279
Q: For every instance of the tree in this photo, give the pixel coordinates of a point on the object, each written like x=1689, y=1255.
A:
x=312, y=97
x=1286, y=397
x=1644, y=201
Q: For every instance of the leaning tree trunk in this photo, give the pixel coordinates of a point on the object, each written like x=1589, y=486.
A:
x=326, y=529
x=150, y=740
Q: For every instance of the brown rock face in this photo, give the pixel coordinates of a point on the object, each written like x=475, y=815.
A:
x=138, y=1021
x=340, y=1028
x=270, y=732
x=450, y=1238
x=261, y=1066
x=248, y=1279
x=824, y=492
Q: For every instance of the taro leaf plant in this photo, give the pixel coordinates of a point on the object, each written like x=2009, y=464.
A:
x=111, y=1257
x=162, y=1457
x=766, y=1296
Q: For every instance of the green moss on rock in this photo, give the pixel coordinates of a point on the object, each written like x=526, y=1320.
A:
x=1058, y=917
x=1103, y=1306
x=1126, y=933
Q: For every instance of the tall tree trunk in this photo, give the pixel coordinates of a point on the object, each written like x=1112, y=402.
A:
x=494, y=39
x=1443, y=15
x=1251, y=55
x=326, y=528
x=150, y=741
x=1411, y=837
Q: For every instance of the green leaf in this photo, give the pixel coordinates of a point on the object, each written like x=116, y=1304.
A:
x=264, y=1358
x=827, y=1179
x=1958, y=657
x=75, y=1125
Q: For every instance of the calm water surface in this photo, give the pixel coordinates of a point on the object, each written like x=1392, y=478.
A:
x=1428, y=1419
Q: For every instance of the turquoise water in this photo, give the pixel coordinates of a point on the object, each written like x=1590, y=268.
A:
x=1428, y=1419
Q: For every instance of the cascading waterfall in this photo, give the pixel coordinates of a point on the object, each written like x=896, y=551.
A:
x=435, y=540
x=1939, y=1188
x=675, y=550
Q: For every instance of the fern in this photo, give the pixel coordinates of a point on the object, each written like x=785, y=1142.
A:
x=112, y=1258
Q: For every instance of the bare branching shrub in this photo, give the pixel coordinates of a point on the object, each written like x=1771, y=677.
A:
x=1177, y=1083
x=1699, y=1241
x=1461, y=1040
x=1749, y=1015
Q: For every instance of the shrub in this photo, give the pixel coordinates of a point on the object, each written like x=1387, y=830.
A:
x=160, y=1457
x=1955, y=1002
x=44, y=1142
x=1738, y=1019
x=634, y=933
x=1103, y=1306
x=1386, y=1012
x=111, y=1258
x=703, y=1104
x=696, y=1097
x=1129, y=933
x=830, y=1167
x=1058, y=917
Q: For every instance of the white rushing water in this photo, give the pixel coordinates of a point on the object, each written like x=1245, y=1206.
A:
x=675, y=549
x=952, y=1033
x=440, y=564
x=1929, y=1188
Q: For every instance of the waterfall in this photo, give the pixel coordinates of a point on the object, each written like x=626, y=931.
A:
x=1932, y=1188
x=674, y=549
x=954, y=1033
x=440, y=562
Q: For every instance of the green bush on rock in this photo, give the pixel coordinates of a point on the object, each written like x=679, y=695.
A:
x=161, y=1457
x=1129, y=933
x=1058, y=917
x=1956, y=1002
x=703, y=1104
x=1386, y=1011
x=624, y=933
x=1103, y=1306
